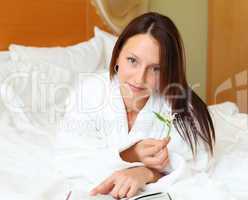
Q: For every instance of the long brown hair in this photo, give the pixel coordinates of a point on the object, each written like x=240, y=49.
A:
x=193, y=121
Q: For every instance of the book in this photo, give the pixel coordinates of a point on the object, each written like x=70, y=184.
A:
x=151, y=196
x=142, y=196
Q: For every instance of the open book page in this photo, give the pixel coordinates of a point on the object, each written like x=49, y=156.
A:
x=151, y=196
x=79, y=195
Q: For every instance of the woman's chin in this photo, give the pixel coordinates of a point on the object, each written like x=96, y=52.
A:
x=130, y=92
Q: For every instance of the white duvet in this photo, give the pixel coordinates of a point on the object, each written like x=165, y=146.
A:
x=26, y=141
x=26, y=170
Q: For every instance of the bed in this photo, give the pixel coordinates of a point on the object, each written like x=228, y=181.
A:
x=35, y=68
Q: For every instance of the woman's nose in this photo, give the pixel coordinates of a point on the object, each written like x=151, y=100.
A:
x=140, y=76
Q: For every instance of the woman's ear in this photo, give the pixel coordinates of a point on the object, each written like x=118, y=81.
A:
x=116, y=67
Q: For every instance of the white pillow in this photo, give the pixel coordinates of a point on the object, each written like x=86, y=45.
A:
x=109, y=41
x=41, y=90
x=87, y=56
x=42, y=78
x=5, y=65
x=4, y=56
x=36, y=95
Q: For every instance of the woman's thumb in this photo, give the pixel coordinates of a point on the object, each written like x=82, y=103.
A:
x=166, y=141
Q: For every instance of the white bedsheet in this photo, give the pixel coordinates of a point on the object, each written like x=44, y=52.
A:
x=26, y=171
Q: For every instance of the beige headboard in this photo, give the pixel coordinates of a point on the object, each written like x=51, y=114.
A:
x=47, y=22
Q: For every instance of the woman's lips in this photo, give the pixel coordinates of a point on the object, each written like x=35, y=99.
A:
x=135, y=88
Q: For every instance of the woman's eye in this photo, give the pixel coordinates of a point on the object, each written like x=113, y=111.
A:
x=131, y=60
x=156, y=69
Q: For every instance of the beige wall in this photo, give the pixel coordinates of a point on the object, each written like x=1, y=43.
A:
x=190, y=16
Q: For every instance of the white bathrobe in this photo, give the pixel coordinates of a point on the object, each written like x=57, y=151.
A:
x=95, y=130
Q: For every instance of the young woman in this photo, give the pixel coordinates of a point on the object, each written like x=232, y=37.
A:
x=112, y=137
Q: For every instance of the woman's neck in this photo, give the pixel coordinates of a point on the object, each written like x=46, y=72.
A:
x=133, y=105
x=131, y=117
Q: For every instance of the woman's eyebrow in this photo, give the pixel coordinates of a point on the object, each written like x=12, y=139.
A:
x=155, y=64
x=134, y=55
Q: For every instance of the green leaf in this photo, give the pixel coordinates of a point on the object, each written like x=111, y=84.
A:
x=166, y=120
x=168, y=131
x=160, y=117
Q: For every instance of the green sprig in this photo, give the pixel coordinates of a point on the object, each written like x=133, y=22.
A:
x=167, y=120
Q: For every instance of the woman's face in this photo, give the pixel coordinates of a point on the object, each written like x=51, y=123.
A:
x=139, y=68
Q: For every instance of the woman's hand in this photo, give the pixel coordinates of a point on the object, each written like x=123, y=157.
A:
x=127, y=182
x=152, y=153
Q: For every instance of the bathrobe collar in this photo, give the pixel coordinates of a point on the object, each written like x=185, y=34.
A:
x=145, y=123
x=155, y=102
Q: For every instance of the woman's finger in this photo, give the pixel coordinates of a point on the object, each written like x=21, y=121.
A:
x=162, y=166
x=165, y=141
x=158, y=159
x=155, y=142
x=151, y=161
x=103, y=188
x=124, y=189
x=150, y=142
x=133, y=190
x=163, y=154
x=150, y=151
x=156, y=148
x=118, y=185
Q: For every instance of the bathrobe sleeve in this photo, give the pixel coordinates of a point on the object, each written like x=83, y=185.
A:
x=84, y=152
x=81, y=150
x=182, y=164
